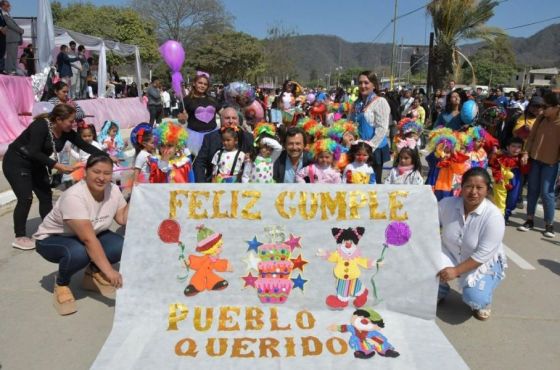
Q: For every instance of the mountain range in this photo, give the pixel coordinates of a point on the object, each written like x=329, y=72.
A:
x=324, y=53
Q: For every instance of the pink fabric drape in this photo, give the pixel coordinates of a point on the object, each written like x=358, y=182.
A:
x=16, y=96
x=128, y=112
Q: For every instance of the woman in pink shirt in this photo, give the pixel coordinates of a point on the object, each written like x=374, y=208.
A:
x=76, y=235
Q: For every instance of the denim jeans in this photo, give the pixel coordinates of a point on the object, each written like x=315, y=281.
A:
x=480, y=295
x=71, y=255
x=542, y=178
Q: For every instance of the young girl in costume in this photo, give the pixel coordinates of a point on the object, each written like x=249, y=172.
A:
x=228, y=162
x=143, y=140
x=258, y=166
x=441, y=144
x=409, y=132
x=452, y=164
x=172, y=165
x=508, y=171
x=475, y=147
x=406, y=170
x=324, y=152
x=111, y=139
x=343, y=132
x=88, y=134
x=359, y=170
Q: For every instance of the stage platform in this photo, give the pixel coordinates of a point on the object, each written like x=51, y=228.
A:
x=17, y=100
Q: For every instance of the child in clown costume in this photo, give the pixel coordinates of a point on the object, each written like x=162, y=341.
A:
x=475, y=147
x=343, y=132
x=325, y=153
x=173, y=165
x=366, y=338
x=258, y=166
x=209, y=244
x=408, y=136
x=508, y=171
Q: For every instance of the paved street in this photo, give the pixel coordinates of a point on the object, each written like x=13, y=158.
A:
x=521, y=334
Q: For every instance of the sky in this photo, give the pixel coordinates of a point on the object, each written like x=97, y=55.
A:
x=352, y=20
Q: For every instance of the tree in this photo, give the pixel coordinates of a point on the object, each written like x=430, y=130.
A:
x=313, y=76
x=280, y=63
x=493, y=63
x=109, y=22
x=230, y=56
x=350, y=74
x=455, y=21
x=187, y=21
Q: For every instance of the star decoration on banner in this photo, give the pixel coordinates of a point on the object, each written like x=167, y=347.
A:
x=293, y=242
x=253, y=245
x=249, y=280
x=298, y=262
x=252, y=261
x=298, y=282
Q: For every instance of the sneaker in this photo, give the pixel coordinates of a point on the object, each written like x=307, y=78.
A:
x=24, y=243
x=483, y=314
x=549, y=231
x=528, y=225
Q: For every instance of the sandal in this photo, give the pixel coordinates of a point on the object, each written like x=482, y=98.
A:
x=63, y=300
x=483, y=314
x=95, y=282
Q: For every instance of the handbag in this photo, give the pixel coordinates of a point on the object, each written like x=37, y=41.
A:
x=55, y=178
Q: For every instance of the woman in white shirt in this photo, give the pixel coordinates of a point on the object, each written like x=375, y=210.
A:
x=75, y=234
x=472, y=230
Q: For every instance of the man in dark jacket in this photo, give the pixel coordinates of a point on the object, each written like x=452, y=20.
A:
x=3, y=30
x=63, y=65
x=293, y=158
x=212, y=142
x=13, y=34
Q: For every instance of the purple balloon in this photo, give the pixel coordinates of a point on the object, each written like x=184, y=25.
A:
x=397, y=233
x=173, y=54
x=176, y=80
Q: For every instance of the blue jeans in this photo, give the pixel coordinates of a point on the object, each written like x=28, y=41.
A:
x=480, y=295
x=542, y=178
x=71, y=255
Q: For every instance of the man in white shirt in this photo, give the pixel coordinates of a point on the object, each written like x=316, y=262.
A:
x=75, y=86
x=166, y=101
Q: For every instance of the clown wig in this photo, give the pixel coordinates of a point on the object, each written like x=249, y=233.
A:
x=338, y=128
x=311, y=127
x=408, y=125
x=442, y=138
x=264, y=128
x=326, y=146
x=170, y=133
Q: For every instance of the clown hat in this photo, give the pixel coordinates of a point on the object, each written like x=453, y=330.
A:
x=206, y=238
x=373, y=315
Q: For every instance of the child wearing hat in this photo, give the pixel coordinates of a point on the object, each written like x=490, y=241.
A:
x=209, y=244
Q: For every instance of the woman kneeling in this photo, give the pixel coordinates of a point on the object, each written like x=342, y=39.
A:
x=75, y=234
x=472, y=230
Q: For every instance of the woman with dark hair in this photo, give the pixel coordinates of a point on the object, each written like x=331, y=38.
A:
x=31, y=158
x=543, y=150
x=201, y=111
x=60, y=90
x=451, y=115
x=373, y=115
x=472, y=230
x=75, y=234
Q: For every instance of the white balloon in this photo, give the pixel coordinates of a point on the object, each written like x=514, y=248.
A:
x=41, y=107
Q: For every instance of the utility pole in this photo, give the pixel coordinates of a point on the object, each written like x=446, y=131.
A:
x=429, y=76
x=393, y=54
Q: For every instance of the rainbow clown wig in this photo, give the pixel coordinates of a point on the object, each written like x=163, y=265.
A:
x=326, y=146
x=263, y=129
x=311, y=127
x=170, y=133
x=408, y=125
x=339, y=128
x=442, y=139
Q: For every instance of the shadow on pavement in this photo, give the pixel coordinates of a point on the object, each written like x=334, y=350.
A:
x=553, y=266
x=453, y=310
x=32, y=225
x=47, y=283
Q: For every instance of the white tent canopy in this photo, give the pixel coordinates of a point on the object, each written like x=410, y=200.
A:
x=63, y=36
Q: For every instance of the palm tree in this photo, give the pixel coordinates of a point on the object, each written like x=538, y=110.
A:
x=455, y=21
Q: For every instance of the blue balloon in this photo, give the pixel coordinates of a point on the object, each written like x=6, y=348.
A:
x=469, y=112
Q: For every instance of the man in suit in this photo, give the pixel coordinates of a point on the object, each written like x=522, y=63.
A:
x=13, y=38
x=293, y=158
x=3, y=29
x=212, y=142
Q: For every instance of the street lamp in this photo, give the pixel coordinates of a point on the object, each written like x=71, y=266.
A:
x=338, y=71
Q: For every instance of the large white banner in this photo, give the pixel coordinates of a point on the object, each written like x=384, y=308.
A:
x=232, y=276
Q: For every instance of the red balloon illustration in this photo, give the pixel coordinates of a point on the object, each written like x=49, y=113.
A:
x=169, y=231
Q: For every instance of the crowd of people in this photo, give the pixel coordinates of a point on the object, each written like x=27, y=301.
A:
x=295, y=135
